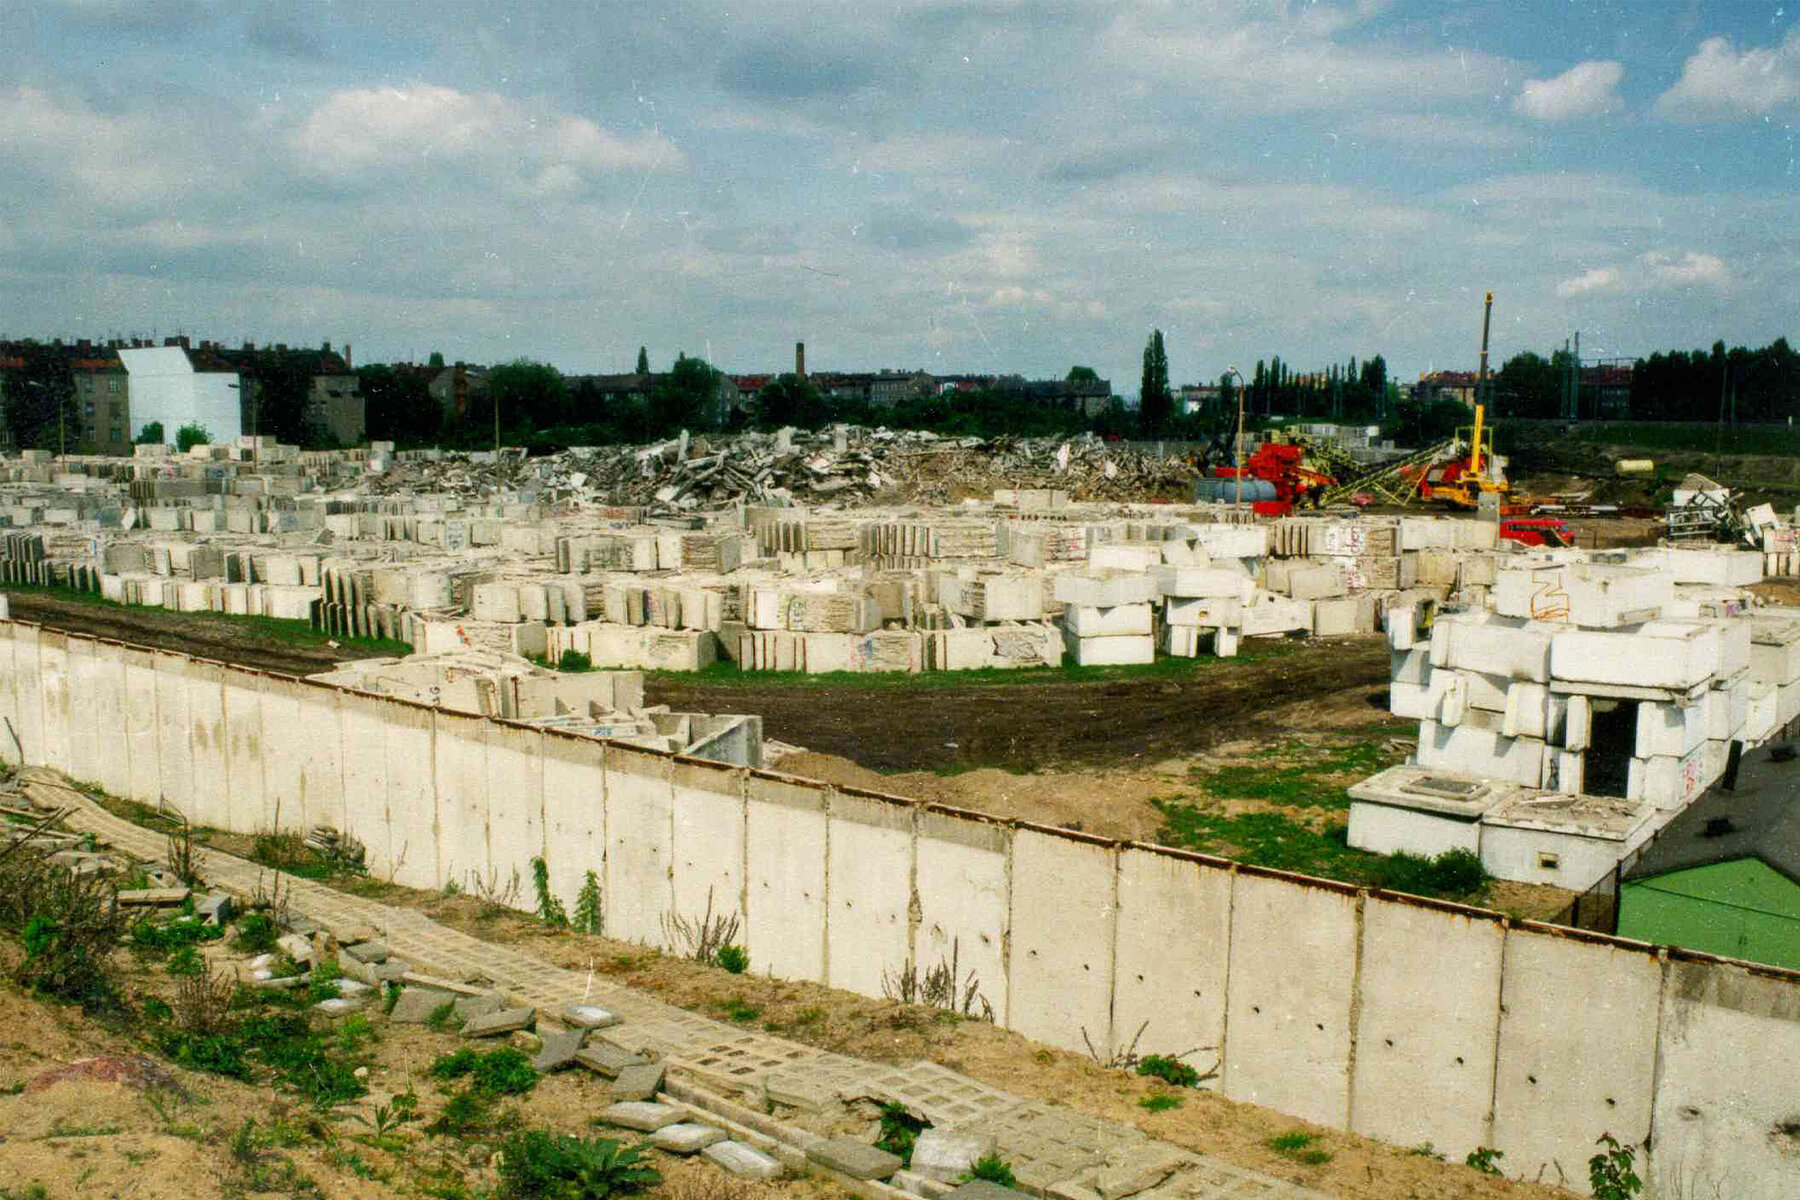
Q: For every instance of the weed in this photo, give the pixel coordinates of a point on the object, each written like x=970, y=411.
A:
x=256, y=933
x=1426, y=1150
x=899, y=1130
x=452, y=889
x=180, y=855
x=440, y=1017
x=1611, y=1174
x=153, y=938
x=991, y=1168
x=735, y=959
x=390, y=996
x=501, y=1072
x=494, y=896
x=286, y=850
x=938, y=987
x=69, y=925
x=202, y=1004
x=1485, y=1159
x=185, y=962
x=737, y=1009
x=1297, y=1147
x=464, y=1114
x=243, y=1143
x=324, y=981
x=574, y=661
x=535, y=1165
x=549, y=909
x=1159, y=1101
x=810, y=1015
x=1169, y=1070
x=588, y=910
x=700, y=939
x=31, y=1191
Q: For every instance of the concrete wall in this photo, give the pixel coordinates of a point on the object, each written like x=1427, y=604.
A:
x=1407, y=1020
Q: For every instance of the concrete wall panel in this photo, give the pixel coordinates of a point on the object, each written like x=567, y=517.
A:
x=411, y=796
x=283, y=755
x=28, y=691
x=10, y=751
x=322, y=761
x=365, y=778
x=964, y=891
x=1288, y=999
x=638, y=817
x=1430, y=986
x=83, y=709
x=174, y=734
x=210, y=795
x=515, y=764
x=53, y=660
x=143, y=731
x=869, y=865
x=112, y=748
x=1577, y=1057
x=460, y=744
x=1060, y=985
x=250, y=810
x=1174, y=947
x=784, y=845
x=708, y=853
x=575, y=814
x=1727, y=1097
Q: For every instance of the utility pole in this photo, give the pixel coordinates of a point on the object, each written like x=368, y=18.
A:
x=1575, y=378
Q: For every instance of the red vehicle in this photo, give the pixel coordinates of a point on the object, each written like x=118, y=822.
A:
x=1282, y=467
x=1536, y=531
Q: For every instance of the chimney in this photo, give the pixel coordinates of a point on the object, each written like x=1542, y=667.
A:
x=800, y=359
x=249, y=347
x=348, y=365
x=183, y=342
x=325, y=349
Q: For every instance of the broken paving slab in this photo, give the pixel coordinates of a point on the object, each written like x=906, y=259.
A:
x=638, y=1081
x=920, y=1185
x=606, y=1059
x=686, y=1137
x=496, y=1023
x=154, y=897
x=342, y=1006
x=641, y=1115
x=559, y=1049
x=859, y=1160
x=945, y=1156
x=469, y=1007
x=981, y=1189
x=214, y=908
x=1137, y=1170
x=369, y=952
x=416, y=1004
x=589, y=1016
x=298, y=948
x=742, y=1159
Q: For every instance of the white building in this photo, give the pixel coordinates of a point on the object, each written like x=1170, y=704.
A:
x=165, y=387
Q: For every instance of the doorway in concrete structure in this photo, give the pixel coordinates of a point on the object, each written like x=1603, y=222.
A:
x=1612, y=737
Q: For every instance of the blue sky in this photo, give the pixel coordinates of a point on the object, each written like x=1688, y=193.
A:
x=987, y=186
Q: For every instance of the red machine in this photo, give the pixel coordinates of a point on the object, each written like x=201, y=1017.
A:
x=1283, y=468
x=1536, y=531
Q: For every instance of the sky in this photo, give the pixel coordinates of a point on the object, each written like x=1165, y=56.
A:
x=983, y=187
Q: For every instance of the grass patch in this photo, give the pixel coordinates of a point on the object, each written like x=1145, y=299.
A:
x=1159, y=1102
x=1298, y=775
x=1298, y=1147
x=262, y=629
x=726, y=674
x=1268, y=839
x=501, y=1072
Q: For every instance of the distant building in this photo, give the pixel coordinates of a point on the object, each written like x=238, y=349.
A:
x=459, y=389
x=166, y=387
x=889, y=388
x=1447, y=385
x=98, y=386
x=331, y=403
x=1089, y=397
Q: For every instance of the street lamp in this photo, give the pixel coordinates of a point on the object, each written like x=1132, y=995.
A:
x=1237, y=450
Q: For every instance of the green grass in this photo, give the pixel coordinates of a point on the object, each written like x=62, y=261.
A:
x=726, y=674
x=1301, y=776
x=267, y=629
x=1681, y=435
x=1298, y=1147
x=1159, y=1102
x=1268, y=839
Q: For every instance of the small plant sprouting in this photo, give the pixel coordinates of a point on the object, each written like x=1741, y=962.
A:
x=1297, y=1145
x=588, y=911
x=1426, y=1150
x=550, y=910
x=899, y=1130
x=991, y=1168
x=735, y=959
x=1611, y=1173
x=535, y=1163
x=1159, y=1101
x=1485, y=1159
x=737, y=1009
x=181, y=855
x=1168, y=1069
x=939, y=987
x=700, y=939
x=441, y=1016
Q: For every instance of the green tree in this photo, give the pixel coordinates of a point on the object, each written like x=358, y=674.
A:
x=397, y=406
x=436, y=359
x=40, y=400
x=1083, y=375
x=789, y=400
x=529, y=395
x=686, y=398
x=191, y=435
x=150, y=435
x=1155, y=404
x=643, y=362
x=1528, y=385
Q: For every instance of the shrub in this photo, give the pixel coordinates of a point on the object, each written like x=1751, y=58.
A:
x=501, y=1072
x=1168, y=1069
x=186, y=961
x=554, y=1166
x=574, y=660
x=256, y=933
x=549, y=909
x=69, y=924
x=991, y=1168
x=191, y=435
x=156, y=938
x=588, y=911
x=899, y=1130
x=1454, y=874
x=1159, y=1101
x=734, y=959
x=1610, y=1173
x=1485, y=1159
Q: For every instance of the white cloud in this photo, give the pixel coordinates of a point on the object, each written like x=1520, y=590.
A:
x=1720, y=82
x=1595, y=279
x=1586, y=89
x=1436, y=130
x=1690, y=269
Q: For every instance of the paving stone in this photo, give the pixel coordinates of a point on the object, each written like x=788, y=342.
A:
x=1072, y=1189
x=639, y=1081
x=742, y=1159
x=261, y=961
x=607, y=1059
x=920, y=1185
x=497, y=1023
x=468, y=1007
x=685, y=1137
x=416, y=1004
x=298, y=948
x=642, y=1115
x=946, y=1156
x=342, y=1006
x=286, y=983
x=559, y=1049
x=1130, y=1173
x=352, y=988
x=154, y=897
x=214, y=908
x=302, y=925
x=369, y=952
x=936, y=1093
x=589, y=1016
x=981, y=1189
x=859, y=1160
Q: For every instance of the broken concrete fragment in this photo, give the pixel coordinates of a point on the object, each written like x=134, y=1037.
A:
x=1072, y=1189
x=469, y=1007
x=351, y=988
x=213, y=908
x=154, y=897
x=684, y=1137
x=859, y=1160
x=496, y=1023
x=607, y=1059
x=920, y=1185
x=559, y=1049
x=342, y=1006
x=589, y=1016
x=298, y=948
x=640, y=1115
x=372, y=973
x=368, y=952
x=981, y=1189
x=741, y=1159
x=639, y=1081
x=1138, y=1172
x=946, y=1157
x=285, y=983
x=416, y=1004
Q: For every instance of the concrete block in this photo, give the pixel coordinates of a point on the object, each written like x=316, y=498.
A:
x=1663, y=654
x=643, y=1116
x=946, y=1156
x=1201, y=583
x=368, y=952
x=638, y=1081
x=1104, y=589
x=1335, y=618
x=1141, y=1170
x=1315, y=583
x=685, y=1138
x=1493, y=647
x=416, y=1004
x=606, y=1059
x=496, y=1023
x=744, y=1160
x=1110, y=651
x=1125, y=620
x=858, y=1160
x=1667, y=728
x=559, y=1050
x=981, y=1189
x=1590, y=595
x=343, y=1006
x=588, y=1016
x=1202, y=612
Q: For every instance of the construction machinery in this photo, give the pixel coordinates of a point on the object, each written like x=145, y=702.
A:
x=1276, y=480
x=1461, y=482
